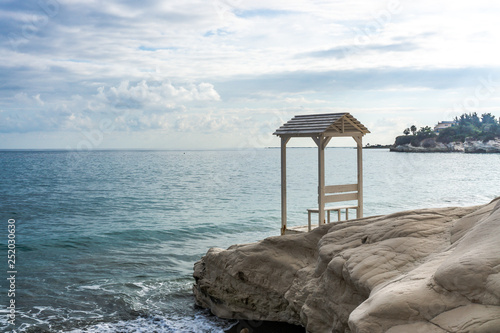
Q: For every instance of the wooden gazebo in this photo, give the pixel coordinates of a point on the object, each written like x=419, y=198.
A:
x=322, y=128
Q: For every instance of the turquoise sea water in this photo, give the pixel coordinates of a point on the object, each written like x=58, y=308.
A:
x=106, y=240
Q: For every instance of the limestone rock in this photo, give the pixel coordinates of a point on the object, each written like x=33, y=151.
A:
x=430, y=146
x=428, y=270
x=469, y=146
x=473, y=146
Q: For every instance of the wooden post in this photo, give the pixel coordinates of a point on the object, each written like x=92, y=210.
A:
x=284, y=141
x=321, y=180
x=359, y=141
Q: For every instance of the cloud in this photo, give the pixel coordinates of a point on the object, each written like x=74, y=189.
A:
x=38, y=99
x=341, y=52
x=138, y=106
x=155, y=95
x=356, y=79
x=208, y=123
x=262, y=12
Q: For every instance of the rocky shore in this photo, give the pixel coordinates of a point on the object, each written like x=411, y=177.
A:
x=428, y=270
x=432, y=146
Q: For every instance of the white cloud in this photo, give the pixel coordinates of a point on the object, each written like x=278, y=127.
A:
x=157, y=95
x=130, y=107
x=38, y=99
x=208, y=123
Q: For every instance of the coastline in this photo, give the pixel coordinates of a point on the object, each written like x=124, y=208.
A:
x=468, y=147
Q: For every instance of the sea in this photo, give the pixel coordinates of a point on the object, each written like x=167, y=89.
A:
x=105, y=241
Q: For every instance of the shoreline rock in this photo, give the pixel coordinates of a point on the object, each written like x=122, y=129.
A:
x=474, y=146
x=469, y=146
x=427, y=270
x=437, y=147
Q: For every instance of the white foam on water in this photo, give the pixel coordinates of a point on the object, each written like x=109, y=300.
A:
x=93, y=287
x=198, y=324
x=31, y=318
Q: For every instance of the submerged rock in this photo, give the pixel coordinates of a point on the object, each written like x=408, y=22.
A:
x=428, y=270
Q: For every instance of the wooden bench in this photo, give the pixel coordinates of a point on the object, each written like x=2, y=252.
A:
x=337, y=193
x=337, y=209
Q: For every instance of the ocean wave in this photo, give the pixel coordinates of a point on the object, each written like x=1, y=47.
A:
x=200, y=323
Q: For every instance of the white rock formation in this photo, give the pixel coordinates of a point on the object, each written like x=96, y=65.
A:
x=469, y=146
x=436, y=147
x=491, y=146
x=429, y=270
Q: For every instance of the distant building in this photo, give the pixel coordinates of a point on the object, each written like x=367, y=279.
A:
x=443, y=124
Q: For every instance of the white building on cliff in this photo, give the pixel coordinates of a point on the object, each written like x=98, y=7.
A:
x=443, y=124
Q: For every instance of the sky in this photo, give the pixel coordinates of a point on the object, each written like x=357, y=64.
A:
x=217, y=74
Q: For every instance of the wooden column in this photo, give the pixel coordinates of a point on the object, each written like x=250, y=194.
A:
x=321, y=180
x=359, y=141
x=284, y=141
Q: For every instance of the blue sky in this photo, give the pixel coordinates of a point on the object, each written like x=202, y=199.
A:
x=212, y=74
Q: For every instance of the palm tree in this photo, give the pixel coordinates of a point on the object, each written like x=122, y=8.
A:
x=406, y=131
x=413, y=129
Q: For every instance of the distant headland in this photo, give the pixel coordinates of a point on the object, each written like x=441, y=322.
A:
x=376, y=146
x=468, y=133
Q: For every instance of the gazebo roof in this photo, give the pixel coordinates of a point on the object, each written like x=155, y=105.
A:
x=327, y=124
